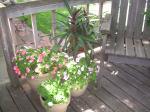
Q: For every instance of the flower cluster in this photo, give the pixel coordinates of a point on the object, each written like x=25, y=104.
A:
x=31, y=63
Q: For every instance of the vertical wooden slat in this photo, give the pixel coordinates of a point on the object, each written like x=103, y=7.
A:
x=130, y=27
x=101, y=3
x=87, y=8
x=119, y=49
x=54, y=24
x=13, y=34
x=139, y=19
x=110, y=45
x=34, y=30
x=5, y=37
x=114, y=13
x=146, y=33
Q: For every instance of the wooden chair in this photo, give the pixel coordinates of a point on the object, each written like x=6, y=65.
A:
x=129, y=39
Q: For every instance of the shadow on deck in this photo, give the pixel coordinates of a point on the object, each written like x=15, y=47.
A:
x=125, y=88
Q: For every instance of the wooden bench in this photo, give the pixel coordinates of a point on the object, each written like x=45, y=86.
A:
x=129, y=39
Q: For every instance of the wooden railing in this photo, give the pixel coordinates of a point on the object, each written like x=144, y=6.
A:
x=7, y=29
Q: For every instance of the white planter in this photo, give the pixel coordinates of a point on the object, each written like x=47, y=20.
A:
x=56, y=107
x=75, y=92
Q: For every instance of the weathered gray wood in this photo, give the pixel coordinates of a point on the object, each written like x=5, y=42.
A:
x=129, y=101
x=130, y=49
x=54, y=24
x=7, y=46
x=110, y=100
x=33, y=96
x=146, y=44
x=144, y=72
x=6, y=102
x=139, y=49
x=87, y=8
x=146, y=33
x=79, y=105
x=128, y=60
x=95, y=103
x=132, y=18
x=20, y=99
x=129, y=89
x=139, y=18
x=114, y=13
x=132, y=77
x=13, y=34
x=110, y=45
x=34, y=30
x=70, y=109
x=41, y=6
x=119, y=48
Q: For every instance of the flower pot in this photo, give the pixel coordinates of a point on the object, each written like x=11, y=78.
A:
x=77, y=91
x=55, y=107
x=36, y=81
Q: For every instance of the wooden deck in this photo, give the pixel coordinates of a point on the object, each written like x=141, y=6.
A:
x=125, y=88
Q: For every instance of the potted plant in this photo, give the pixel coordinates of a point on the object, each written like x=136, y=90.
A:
x=77, y=31
x=55, y=94
x=81, y=74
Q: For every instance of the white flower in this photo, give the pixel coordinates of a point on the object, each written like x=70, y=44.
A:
x=79, y=72
x=90, y=69
x=82, y=68
x=50, y=104
x=66, y=77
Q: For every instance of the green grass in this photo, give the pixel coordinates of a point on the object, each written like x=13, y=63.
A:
x=44, y=20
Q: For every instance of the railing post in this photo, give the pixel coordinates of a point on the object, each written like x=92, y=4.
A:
x=101, y=2
x=87, y=8
x=54, y=24
x=6, y=42
x=34, y=30
x=13, y=34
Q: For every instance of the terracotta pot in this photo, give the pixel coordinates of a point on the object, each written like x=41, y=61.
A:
x=56, y=107
x=77, y=91
x=37, y=81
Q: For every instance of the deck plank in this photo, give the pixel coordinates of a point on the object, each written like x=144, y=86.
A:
x=126, y=87
x=6, y=101
x=96, y=104
x=131, y=79
x=135, y=74
x=79, y=105
x=24, y=105
x=124, y=97
x=33, y=96
x=110, y=100
x=141, y=70
x=70, y=109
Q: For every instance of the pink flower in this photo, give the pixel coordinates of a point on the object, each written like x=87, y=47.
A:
x=17, y=70
x=47, y=66
x=43, y=54
x=23, y=52
x=27, y=70
x=30, y=59
x=32, y=77
x=40, y=58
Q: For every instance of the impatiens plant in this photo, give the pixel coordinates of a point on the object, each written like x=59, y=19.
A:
x=32, y=63
x=53, y=91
